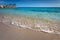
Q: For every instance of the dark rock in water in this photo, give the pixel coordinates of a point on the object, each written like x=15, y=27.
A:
x=8, y=6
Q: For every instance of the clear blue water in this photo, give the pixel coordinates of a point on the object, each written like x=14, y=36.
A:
x=40, y=12
x=31, y=23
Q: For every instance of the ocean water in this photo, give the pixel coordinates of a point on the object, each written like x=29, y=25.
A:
x=45, y=19
x=44, y=12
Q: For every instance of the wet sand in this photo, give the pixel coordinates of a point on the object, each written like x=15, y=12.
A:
x=37, y=24
x=9, y=32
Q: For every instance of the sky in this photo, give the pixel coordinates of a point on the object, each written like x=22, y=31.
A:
x=32, y=3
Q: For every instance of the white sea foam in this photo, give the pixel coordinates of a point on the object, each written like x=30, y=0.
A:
x=44, y=30
x=38, y=27
x=18, y=24
x=23, y=26
x=47, y=30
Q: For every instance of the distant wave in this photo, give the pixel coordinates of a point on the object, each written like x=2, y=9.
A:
x=41, y=9
x=56, y=11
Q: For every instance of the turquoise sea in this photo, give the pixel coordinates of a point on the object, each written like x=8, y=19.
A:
x=48, y=13
x=44, y=12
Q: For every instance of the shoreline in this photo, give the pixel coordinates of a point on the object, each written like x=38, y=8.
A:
x=32, y=23
x=9, y=32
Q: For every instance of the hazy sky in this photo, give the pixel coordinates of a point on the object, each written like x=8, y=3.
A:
x=32, y=3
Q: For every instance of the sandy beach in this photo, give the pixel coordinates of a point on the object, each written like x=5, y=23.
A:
x=9, y=32
x=30, y=23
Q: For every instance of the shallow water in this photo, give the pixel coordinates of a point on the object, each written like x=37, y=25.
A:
x=39, y=19
x=36, y=24
x=43, y=12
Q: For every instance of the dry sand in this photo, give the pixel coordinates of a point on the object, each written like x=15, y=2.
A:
x=8, y=32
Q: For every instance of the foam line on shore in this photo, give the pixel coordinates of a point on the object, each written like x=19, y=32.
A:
x=39, y=27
